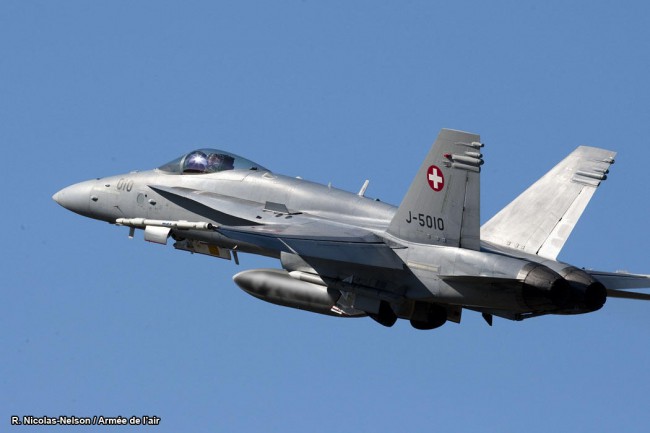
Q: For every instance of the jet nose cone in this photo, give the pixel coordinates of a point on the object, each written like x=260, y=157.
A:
x=76, y=198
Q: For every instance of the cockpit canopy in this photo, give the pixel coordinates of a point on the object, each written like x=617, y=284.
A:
x=209, y=161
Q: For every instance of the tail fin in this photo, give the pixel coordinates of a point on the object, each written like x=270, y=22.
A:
x=541, y=219
x=442, y=205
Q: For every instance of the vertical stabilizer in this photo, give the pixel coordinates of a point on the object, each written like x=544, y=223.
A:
x=442, y=205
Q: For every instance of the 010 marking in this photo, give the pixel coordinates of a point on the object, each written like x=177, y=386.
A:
x=125, y=185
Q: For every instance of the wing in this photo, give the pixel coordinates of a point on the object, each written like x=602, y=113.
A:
x=308, y=236
x=298, y=233
x=541, y=219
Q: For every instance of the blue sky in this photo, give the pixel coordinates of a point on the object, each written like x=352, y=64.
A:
x=92, y=323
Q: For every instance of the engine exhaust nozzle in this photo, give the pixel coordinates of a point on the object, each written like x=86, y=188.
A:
x=543, y=288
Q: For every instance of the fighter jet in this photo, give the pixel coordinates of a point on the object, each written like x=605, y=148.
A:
x=346, y=255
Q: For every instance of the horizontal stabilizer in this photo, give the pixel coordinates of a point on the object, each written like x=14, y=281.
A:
x=621, y=280
x=628, y=295
x=615, y=281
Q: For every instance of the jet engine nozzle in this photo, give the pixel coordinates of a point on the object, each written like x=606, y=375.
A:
x=587, y=294
x=595, y=296
x=543, y=288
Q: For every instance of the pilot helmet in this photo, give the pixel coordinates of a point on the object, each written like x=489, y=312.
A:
x=195, y=162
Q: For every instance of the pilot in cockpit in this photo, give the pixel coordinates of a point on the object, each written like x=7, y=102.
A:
x=219, y=162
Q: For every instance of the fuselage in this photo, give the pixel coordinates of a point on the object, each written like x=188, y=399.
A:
x=347, y=255
x=146, y=195
x=131, y=196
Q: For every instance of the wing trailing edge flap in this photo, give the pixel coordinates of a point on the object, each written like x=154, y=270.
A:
x=319, y=239
x=540, y=220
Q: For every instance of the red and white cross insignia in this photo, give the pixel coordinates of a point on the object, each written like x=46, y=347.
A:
x=435, y=178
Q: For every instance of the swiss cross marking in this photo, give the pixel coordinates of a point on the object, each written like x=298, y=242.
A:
x=435, y=178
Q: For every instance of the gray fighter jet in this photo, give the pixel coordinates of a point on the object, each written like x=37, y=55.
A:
x=346, y=255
